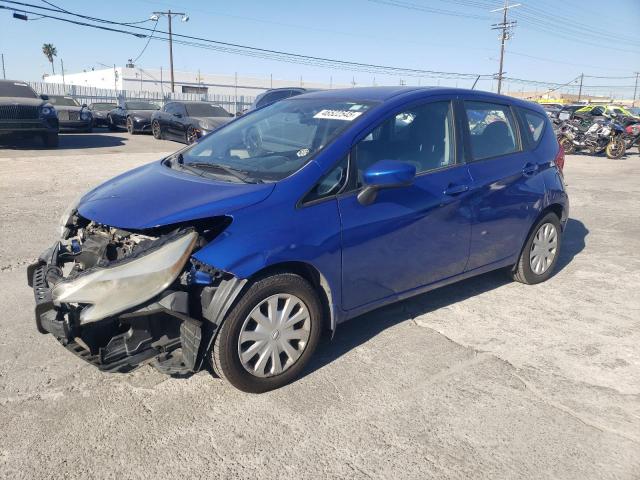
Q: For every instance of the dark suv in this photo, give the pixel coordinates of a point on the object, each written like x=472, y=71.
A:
x=23, y=112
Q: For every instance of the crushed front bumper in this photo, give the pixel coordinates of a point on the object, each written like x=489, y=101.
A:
x=159, y=332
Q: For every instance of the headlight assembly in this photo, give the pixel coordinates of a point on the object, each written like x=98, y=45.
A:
x=66, y=215
x=47, y=111
x=85, y=115
x=111, y=290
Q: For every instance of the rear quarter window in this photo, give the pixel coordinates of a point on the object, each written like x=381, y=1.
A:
x=534, y=123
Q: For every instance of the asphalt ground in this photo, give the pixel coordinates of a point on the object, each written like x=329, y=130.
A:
x=482, y=379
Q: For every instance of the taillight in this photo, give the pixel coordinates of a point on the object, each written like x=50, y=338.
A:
x=633, y=129
x=559, y=160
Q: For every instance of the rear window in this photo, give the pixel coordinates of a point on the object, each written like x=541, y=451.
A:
x=535, y=125
x=16, y=89
x=491, y=128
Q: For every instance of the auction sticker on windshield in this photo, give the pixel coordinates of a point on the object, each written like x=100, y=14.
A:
x=345, y=115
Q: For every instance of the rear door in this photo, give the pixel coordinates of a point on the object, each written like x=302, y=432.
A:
x=409, y=236
x=507, y=187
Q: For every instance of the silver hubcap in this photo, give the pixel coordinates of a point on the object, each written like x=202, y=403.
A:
x=544, y=248
x=274, y=335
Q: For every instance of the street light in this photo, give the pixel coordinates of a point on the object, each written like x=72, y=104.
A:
x=169, y=14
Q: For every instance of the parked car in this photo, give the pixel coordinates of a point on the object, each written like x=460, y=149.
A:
x=71, y=115
x=276, y=94
x=603, y=111
x=566, y=112
x=134, y=116
x=240, y=249
x=187, y=121
x=551, y=109
x=100, y=110
x=24, y=113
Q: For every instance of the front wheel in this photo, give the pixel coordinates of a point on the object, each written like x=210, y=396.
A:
x=191, y=136
x=615, y=148
x=540, y=253
x=50, y=140
x=130, y=127
x=567, y=145
x=156, y=130
x=112, y=126
x=270, y=335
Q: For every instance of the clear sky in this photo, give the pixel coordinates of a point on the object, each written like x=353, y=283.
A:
x=553, y=41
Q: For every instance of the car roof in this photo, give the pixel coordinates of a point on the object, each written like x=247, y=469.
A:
x=384, y=94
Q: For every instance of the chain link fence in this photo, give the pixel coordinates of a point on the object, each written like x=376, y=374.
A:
x=231, y=103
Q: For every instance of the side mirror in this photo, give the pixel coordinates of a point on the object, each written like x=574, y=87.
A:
x=44, y=97
x=84, y=105
x=385, y=174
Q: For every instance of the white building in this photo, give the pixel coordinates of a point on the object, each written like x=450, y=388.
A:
x=138, y=79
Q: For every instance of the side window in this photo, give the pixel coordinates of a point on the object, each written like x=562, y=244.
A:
x=491, y=128
x=535, y=125
x=180, y=109
x=422, y=136
x=331, y=183
x=170, y=108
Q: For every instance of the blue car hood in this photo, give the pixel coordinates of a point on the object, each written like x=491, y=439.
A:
x=155, y=195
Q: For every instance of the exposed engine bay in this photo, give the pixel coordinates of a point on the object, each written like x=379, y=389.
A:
x=98, y=245
x=120, y=298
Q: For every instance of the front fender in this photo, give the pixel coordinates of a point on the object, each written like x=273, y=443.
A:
x=277, y=232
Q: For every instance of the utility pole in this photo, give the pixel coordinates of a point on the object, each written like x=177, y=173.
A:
x=169, y=14
x=62, y=69
x=4, y=75
x=580, y=89
x=633, y=104
x=505, y=35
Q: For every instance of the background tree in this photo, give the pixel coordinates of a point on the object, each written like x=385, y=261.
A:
x=50, y=51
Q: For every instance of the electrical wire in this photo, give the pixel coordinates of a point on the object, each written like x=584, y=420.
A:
x=148, y=41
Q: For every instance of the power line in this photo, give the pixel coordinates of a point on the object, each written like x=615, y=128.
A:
x=253, y=51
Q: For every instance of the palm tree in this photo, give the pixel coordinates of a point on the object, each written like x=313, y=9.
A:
x=50, y=51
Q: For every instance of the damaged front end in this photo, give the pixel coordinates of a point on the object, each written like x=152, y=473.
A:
x=119, y=298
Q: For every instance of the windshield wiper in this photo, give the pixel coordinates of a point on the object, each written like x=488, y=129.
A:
x=228, y=170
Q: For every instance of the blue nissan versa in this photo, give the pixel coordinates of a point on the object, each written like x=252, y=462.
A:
x=240, y=249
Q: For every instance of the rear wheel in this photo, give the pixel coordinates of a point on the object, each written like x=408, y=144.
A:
x=269, y=336
x=540, y=253
x=156, y=130
x=50, y=140
x=567, y=145
x=615, y=148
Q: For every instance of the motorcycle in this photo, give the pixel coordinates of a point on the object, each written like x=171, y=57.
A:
x=601, y=135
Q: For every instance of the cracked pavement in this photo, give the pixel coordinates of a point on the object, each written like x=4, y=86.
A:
x=481, y=379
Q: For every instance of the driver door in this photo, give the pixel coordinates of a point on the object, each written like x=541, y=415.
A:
x=410, y=236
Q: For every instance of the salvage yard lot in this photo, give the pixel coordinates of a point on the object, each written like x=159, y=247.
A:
x=482, y=379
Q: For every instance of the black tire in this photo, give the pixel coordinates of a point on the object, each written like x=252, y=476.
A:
x=110, y=125
x=616, y=148
x=190, y=136
x=224, y=356
x=522, y=271
x=567, y=145
x=156, y=130
x=130, y=127
x=50, y=140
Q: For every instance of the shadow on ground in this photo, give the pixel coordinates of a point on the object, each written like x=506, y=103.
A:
x=68, y=141
x=359, y=330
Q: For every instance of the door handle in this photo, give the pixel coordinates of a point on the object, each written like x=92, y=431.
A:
x=456, y=189
x=529, y=169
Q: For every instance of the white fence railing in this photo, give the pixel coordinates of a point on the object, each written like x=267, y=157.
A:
x=231, y=103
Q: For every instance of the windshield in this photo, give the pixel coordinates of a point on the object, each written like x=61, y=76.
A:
x=205, y=110
x=272, y=143
x=101, y=107
x=16, y=89
x=63, y=101
x=141, y=106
